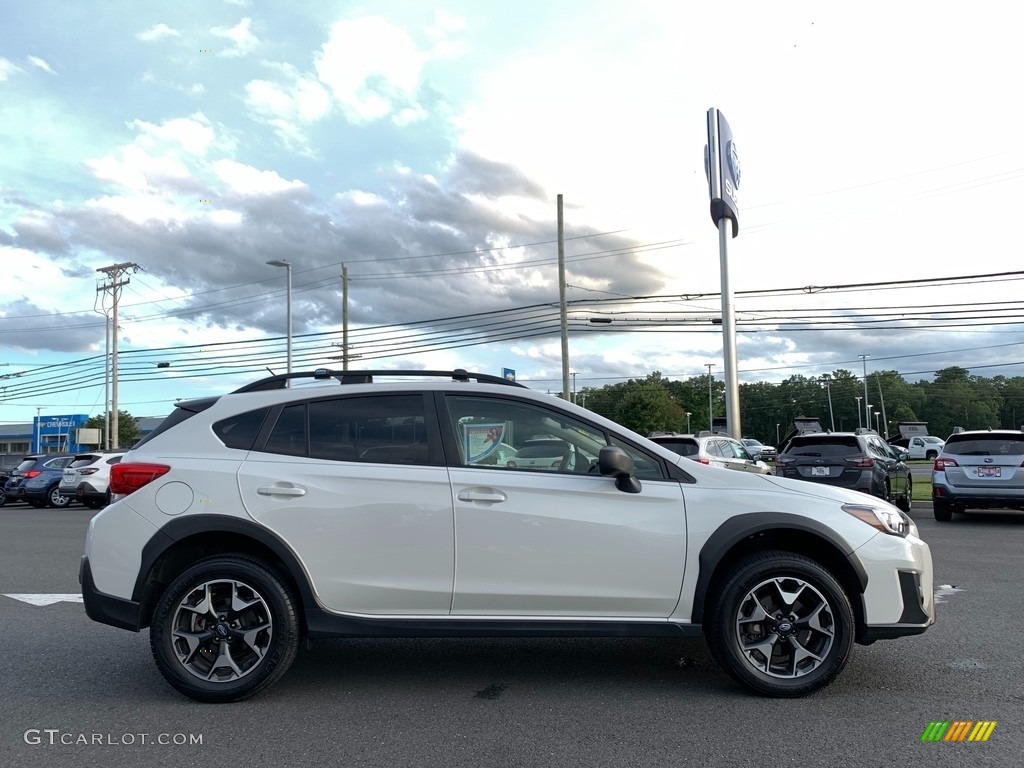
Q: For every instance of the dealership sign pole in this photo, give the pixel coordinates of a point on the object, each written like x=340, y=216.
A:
x=722, y=164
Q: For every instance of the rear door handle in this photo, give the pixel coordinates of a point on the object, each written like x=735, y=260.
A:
x=280, y=490
x=479, y=494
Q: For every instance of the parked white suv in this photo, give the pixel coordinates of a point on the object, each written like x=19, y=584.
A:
x=246, y=524
x=86, y=478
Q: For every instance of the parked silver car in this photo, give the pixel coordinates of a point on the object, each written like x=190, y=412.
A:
x=980, y=469
x=714, y=449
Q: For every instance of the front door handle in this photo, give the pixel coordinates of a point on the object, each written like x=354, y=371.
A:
x=280, y=490
x=480, y=494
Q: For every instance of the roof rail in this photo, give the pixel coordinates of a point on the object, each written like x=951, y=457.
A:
x=280, y=381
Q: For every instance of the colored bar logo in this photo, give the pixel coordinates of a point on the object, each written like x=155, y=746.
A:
x=959, y=730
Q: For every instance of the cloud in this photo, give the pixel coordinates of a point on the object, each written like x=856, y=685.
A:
x=372, y=68
x=8, y=68
x=159, y=32
x=35, y=61
x=31, y=327
x=288, y=107
x=245, y=180
x=37, y=230
x=240, y=34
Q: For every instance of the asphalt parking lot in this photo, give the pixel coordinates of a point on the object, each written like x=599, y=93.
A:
x=77, y=693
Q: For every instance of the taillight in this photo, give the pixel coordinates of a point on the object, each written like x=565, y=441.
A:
x=88, y=470
x=865, y=462
x=128, y=478
x=941, y=464
x=29, y=474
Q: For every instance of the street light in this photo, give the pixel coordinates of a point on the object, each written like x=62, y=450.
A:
x=860, y=421
x=877, y=415
x=711, y=406
x=288, y=266
x=688, y=415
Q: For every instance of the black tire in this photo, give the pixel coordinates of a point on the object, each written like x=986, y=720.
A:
x=264, y=634
x=55, y=499
x=823, y=624
x=943, y=510
x=905, y=502
x=94, y=503
x=931, y=455
x=3, y=495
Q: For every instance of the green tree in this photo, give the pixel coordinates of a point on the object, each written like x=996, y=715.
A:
x=648, y=409
x=127, y=427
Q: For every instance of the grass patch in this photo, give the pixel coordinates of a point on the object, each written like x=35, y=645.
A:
x=921, y=490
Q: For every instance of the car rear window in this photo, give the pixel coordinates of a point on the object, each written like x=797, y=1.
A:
x=985, y=446
x=682, y=447
x=825, y=447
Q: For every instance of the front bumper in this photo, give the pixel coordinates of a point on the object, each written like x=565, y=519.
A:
x=900, y=596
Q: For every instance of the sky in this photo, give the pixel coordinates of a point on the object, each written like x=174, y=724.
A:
x=422, y=147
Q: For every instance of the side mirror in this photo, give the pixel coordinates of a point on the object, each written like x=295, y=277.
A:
x=903, y=455
x=615, y=462
x=756, y=455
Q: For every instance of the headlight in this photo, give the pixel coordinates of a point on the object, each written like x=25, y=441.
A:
x=887, y=520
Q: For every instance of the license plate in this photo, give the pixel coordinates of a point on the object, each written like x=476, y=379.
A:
x=819, y=471
x=990, y=471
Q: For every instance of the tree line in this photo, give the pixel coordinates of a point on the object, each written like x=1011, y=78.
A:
x=954, y=398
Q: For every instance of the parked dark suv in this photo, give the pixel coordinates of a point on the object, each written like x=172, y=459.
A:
x=37, y=479
x=981, y=469
x=861, y=461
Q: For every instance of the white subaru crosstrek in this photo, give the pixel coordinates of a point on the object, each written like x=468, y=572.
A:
x=246, y=524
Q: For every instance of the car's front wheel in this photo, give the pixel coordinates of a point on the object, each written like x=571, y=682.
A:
x=225, y=629
x=55, y=499
x=780, y=624
x=904, y=503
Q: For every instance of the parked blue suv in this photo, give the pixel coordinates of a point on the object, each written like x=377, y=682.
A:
x=37, y=480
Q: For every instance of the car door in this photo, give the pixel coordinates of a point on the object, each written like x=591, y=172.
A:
x=358, y=486
x=897, y=472
x=563, y=542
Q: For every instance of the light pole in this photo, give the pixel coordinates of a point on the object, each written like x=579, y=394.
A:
x=778, y=438
x=288, y=266
x=573, y=374
x=877, y=414
x=688, y=415
x=860, y=421
x=711, y=405
x=867, y=408
x=828, y=388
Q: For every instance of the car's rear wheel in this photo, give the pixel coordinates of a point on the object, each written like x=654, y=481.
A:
x=943, y=510
x=225, y=629
x=3, y=496
x=55, y=499
x=780, y=624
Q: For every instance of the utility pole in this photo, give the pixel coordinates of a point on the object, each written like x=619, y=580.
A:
x=561, y=301
x=344, y=317
x=867, y=408
x=113, y=283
